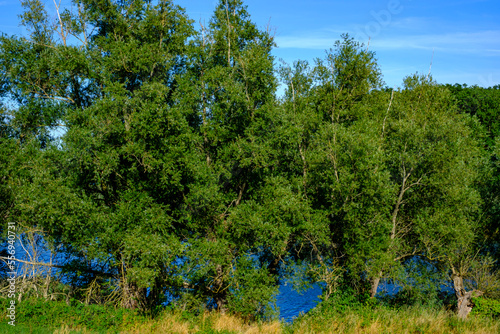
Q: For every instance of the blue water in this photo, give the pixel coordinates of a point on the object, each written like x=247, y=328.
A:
x=291, y=303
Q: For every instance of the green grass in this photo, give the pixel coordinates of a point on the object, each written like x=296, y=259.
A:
x=385, y=319
x=24, y=328
x=340, y=316
x=39, y=316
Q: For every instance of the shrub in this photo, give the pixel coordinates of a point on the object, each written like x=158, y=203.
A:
x=486, y=307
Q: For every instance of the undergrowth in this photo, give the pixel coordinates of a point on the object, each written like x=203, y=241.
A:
x=343, y=313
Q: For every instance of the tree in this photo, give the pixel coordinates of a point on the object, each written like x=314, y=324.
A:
x=177, y=170
x=336, y=149
x=483, y=104
x=346, y=75
x=384, y=165
x=111, y=193
x=435, y=160
x=229, y=90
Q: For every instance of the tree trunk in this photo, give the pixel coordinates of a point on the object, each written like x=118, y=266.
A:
x=133, y=297
x=273, y=266
x=464, y=298
x=374, y=283
x=221, y=295
x=221, y=301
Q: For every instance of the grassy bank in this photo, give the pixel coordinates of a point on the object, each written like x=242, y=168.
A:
x=37, y=316
x=389, y=320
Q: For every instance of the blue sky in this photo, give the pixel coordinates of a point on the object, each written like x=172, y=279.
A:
x=461, y=37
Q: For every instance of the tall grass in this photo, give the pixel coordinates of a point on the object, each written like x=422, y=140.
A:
x=209, y=322
x=382, y=319
x=37, y=316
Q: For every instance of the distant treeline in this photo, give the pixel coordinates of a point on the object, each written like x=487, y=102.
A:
x=158, y=161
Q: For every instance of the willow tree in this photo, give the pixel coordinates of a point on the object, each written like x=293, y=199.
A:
x=229, y=90
x=483, y=104
x=340, y=159
x=401, y=181
x=111, y=191
x=434, y=160
x=384, y=167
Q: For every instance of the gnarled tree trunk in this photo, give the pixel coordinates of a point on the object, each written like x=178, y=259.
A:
x=464, y=298
x=133, y=297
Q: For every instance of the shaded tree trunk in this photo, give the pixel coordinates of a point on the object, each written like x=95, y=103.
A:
x=464, y=298
x=220, y=297
x=273, y=266
x=221, y=301
x=374, y=283
x=133, y=297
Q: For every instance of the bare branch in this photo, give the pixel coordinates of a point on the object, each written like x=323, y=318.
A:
x=387, y=114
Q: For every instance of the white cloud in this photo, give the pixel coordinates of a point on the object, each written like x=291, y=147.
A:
x=411, y=23
x=486, y=42
x=304, y=42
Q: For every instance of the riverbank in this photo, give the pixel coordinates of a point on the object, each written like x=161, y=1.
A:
x=38, y=316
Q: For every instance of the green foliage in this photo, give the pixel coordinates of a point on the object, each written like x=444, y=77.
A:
x=420, y=284
x=388, y=170
x=485, y=307
x=229, y=91
x=119, y=174
x=344, y=300
x=484, y=103
x=27, y=328
x=8, y=161
x=178, y=171
x=53, y=314
x=346, y=75
x=254, y=291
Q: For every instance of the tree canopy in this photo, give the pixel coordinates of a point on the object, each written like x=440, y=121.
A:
x=162, y=162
